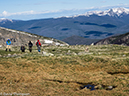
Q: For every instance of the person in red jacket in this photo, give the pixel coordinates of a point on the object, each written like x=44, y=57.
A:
x=38, y=44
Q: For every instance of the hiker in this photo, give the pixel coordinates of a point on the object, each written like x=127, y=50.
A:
x=8, y=43
x=23, y=48
x=38, y=45
x=30, y=44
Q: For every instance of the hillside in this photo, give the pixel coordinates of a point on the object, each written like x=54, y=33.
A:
x=19, y=38
x=91, y=25
x=77, y=40
x=119, y=39
x=71, y=71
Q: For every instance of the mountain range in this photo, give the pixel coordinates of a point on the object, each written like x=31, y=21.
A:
x=92, y=25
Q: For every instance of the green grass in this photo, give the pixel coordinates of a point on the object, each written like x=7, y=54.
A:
x=3, y=52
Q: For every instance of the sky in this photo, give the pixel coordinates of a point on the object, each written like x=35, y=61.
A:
x=36, y=9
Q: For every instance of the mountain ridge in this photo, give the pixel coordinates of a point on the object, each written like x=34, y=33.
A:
x=91, y=27
x=122, y=39
x=110, y=12
x=19, y=38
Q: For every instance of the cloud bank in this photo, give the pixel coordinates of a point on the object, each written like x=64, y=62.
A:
x=27, y=15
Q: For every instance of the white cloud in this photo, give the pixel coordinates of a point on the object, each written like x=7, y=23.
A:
x=103, y=1
x=5, y=13
x=56, y=13
x=24, y=13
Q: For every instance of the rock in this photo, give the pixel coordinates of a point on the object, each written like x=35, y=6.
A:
x=47, y=54
x=92, y=44
x=109, y=88
x=9, y=55
x=74, y=53
x=50, y=54
x=69, y=51
x=87, y=49
x=0, y=46
x=98, y=87
x=14, y=55
x=82, y=53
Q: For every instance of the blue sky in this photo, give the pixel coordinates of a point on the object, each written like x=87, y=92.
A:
x=36, y=9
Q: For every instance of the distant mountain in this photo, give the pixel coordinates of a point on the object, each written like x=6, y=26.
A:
x=119, y=39
x=4, y=20
x=114, y=12
x=19, y=38
x=91, y=25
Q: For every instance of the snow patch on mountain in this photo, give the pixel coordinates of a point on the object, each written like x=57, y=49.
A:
x=48, y=41
x=110, y=12
x=114, y=12
x=4, y=20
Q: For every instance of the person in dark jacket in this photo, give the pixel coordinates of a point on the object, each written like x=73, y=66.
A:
x=8, y=43
x=23, y=48
x=38, y=44
x=30, y=44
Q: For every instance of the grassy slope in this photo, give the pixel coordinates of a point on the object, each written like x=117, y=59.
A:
x=65, y=73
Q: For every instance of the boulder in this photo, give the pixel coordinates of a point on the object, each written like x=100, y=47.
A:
x=47, y=54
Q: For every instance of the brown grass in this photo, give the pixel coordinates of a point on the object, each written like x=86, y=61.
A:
x=65, y=75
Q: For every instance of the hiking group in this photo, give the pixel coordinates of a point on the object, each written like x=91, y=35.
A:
x=22, y=48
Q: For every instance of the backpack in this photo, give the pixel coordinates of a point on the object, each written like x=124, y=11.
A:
x=22, y=47
x=37, y=44
x=8, y=41
x=30, y=44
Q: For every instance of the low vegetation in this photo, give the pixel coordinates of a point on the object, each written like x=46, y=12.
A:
x=66, y=72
